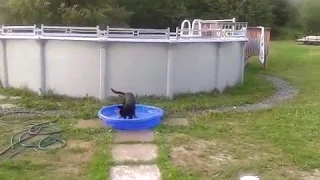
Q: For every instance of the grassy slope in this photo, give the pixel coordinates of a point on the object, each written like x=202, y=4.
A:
x=282, y=143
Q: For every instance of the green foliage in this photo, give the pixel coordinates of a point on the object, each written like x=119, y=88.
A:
x=311, y=16
x=24, y=11
x=285, y=19
x=167, y=13
x=155, y=13
x=81, y=13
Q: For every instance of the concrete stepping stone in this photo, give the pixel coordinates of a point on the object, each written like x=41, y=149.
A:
x=138, y=172
x=14, y=97
x=133, y=152
x=8, y=106
x=88, y=123
x=176, y=122
x=3, y=97
x=133, y=136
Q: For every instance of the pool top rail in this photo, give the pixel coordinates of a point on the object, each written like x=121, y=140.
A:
x=221, y=30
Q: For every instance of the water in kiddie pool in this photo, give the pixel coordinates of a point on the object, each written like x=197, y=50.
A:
x=141, y=112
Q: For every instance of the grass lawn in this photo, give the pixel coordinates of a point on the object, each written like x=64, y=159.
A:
x=280, y=143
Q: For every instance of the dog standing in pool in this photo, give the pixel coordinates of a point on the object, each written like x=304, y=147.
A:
x=128, y=108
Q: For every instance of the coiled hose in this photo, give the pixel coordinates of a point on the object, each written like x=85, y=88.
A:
x=50, y=133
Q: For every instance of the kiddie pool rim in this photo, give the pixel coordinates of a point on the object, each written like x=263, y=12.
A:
x=105, y=118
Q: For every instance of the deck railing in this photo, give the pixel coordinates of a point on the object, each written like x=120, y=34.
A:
x=220, y=30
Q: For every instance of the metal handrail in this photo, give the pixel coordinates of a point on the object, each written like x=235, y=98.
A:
x=220, y=30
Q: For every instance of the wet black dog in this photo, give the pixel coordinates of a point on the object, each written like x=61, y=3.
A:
x=128, y=108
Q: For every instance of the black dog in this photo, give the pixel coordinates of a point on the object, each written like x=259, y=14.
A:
x=128, y=108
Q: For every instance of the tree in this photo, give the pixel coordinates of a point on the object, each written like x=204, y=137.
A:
x=311, y=16
x=24, y=12
x=63, y=12
x=256, y=12
x=285, y=18
x=155, y=13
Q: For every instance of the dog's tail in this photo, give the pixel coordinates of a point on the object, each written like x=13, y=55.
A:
x=118, y=92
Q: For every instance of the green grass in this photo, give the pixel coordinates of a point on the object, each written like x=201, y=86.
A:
x=279, y=143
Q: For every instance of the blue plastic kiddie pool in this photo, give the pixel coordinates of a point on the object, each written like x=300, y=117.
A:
x=148, y=117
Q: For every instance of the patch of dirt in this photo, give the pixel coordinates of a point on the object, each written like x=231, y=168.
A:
x=311, y=175
x=79, y=144
x=295, y=174
x=198, y=154
x=90, y=123
x=9, y=129
x=73, y=162
x=224, y=159
x=70, y=161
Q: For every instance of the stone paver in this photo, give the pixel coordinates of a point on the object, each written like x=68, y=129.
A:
x=176, y=121
x=134, y=136
x=88, y=123
x=8, y=106
x=133, y=152
x=3, y=97
x=139, y=172
x=14, y=97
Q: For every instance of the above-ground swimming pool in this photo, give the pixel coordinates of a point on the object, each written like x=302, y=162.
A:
x=143, y=61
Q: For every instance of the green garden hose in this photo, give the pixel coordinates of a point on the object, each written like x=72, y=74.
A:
x=50, y=133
